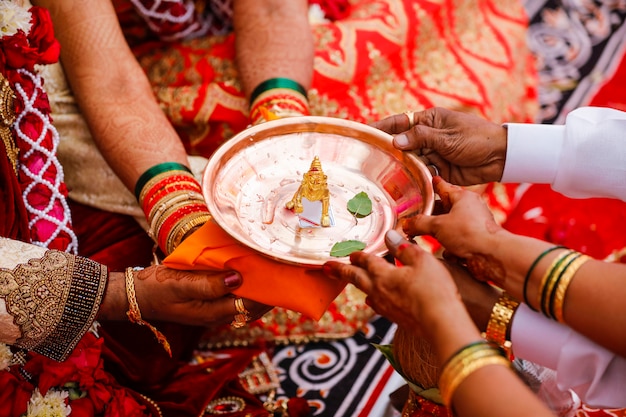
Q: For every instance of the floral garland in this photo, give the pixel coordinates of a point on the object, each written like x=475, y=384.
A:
x=41, y=386
x=28, y=40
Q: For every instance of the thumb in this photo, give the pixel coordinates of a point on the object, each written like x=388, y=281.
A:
x=418, y=137
x=401, y=249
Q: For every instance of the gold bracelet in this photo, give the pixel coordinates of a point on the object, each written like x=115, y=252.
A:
x=564, y=285
x=499, y=321
x=134, y=315
x=464, y=363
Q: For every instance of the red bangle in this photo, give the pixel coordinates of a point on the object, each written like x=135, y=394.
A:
x=168, y=225
x=153, y=187
x=153, y=199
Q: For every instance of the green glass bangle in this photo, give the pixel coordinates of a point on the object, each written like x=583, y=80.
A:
x=276, y=83
x=156, y=170
x=530, y=270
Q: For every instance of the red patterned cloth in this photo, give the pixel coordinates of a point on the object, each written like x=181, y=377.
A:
x=382, y=57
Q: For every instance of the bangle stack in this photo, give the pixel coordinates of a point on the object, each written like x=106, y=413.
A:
x=466, y=361
x=556, y=280
x=277, y=98
x=133, y=313
x=498, y=328
x=172, y=201
x=530, y=271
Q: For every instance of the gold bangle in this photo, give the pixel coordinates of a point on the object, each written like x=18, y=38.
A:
x=548, y=274
x=499, y=321
x=555, y=277
x=469, y=369
x=167, y=209
x=184, y=226
x=133, y=313
x=464, y=363
x=171, y=199
x=564, y=285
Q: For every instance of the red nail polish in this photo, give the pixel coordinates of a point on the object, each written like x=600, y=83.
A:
x=326, y=269
x=403, y=246
x=232, y=281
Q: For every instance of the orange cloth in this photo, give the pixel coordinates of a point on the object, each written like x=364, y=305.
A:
x=265, y=280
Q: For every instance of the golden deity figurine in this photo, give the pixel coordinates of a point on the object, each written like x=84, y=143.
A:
x=313, y=188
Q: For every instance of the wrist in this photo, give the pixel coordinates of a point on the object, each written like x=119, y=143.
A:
x=114, y=303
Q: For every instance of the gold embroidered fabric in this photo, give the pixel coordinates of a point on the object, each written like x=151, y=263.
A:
x=53, y=299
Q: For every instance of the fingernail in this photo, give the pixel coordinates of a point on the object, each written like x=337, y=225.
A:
x=401, y=140
x=232, y=281
x=394, y=238
x=403, y=246
x=326, y=269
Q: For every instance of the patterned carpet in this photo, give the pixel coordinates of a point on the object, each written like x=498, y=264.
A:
x=579, y=46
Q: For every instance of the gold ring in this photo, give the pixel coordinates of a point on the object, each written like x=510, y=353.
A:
x=411, y=116
x=243, y=316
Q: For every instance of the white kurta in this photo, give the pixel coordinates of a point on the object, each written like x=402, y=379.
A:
x=584, y=158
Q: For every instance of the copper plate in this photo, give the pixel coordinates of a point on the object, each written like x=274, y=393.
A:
x=250, y=178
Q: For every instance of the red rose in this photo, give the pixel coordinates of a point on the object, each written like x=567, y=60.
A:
x=14, y=395
x=18, y=52
x=41, y=36
x=38, y=47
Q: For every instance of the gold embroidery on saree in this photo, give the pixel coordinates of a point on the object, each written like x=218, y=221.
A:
x=35, y=293
x=53, y=300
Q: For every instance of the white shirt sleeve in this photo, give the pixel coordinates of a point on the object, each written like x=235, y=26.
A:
x=584, y=158
x=594, y=373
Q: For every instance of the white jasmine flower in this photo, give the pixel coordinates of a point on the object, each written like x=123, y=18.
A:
x=13, y=17
x=6, y=356
x=316, y=14
x=52, y=405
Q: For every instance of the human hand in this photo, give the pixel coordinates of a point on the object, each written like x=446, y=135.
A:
x=466, y=229
x=417, y=295
x=201, y=298
x=465, y=148
x=478, y=297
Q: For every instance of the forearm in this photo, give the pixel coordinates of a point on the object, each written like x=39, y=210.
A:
x=507, y=395
x=586, y=305
x=273, y=39
x=455, y=331
x=112, y=90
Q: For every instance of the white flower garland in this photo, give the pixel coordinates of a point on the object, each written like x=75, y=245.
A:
x=53, y=404
x=13, y=17
x=6, y=356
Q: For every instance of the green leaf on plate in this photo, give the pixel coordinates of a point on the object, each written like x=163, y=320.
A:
x=346, y=247
x=360, y=205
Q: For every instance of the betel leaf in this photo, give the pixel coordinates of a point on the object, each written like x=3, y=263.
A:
x=360, y=205
x=346, y=247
